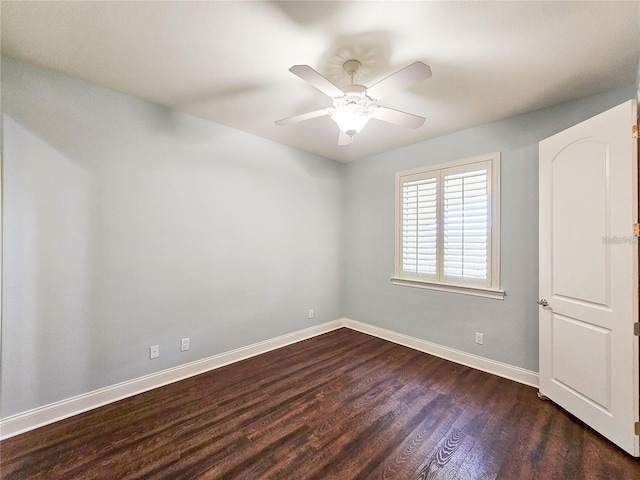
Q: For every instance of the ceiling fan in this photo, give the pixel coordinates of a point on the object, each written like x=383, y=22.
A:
x=354, y=105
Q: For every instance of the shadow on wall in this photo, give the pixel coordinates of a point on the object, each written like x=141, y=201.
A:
x=53, y=97
x=128, y=222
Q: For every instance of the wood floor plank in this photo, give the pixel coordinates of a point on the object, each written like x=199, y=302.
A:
x=344, y=405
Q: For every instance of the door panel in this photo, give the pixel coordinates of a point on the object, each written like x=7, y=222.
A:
x=589, y=273
x=582, y=370
x=580, y=172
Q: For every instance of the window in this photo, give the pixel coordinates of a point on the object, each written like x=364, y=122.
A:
x=448, y=227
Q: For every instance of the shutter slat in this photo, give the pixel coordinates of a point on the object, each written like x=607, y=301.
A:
x=465, y=211
x=419, y=226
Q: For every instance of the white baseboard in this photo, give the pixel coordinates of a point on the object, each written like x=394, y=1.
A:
x=38, y=417
x=504, y=370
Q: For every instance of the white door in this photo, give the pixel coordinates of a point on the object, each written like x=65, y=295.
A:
x=589, y=273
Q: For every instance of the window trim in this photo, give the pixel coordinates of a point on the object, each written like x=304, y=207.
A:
x=492, y=290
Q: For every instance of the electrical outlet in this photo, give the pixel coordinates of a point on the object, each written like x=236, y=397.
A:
x=184, y=344
x=311, y=313
x=480, y=338
x=154, y=351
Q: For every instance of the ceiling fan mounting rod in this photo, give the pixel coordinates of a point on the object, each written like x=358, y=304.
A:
x=351, y=67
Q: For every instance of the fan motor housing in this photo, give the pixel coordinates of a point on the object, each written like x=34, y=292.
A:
x=353, y=89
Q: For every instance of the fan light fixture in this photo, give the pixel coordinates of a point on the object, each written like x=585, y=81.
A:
x=352, y=112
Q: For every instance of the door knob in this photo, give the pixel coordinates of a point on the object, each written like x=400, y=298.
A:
x=543, y=302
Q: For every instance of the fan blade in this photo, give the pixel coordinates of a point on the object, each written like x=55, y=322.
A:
x=344, y=139
x=303, y=117
x=397, y=117
x=309, y=75
x=414, y=73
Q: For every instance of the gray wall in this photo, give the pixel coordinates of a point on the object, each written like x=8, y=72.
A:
x=510, y=326
x=128, y=225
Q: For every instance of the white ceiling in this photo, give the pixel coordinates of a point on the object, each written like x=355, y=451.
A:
x=228, y=61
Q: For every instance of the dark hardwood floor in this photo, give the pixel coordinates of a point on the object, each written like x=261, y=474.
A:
x=343, y=405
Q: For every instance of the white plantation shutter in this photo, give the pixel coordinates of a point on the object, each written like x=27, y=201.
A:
x=420, y=227
x=448, y=226
x=466, y=249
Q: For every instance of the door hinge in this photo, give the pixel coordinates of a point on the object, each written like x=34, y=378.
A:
x=636, y=229
x=637, y=428
x=636, y=329
x=636, y=134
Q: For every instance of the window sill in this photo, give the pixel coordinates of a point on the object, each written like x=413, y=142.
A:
x=445, y=287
